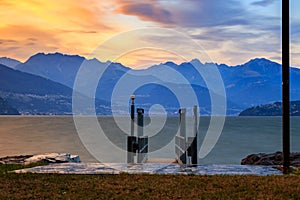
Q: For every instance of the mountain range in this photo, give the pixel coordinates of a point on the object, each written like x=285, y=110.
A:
x=35, y=95
x=273, y=109
x=47, y=81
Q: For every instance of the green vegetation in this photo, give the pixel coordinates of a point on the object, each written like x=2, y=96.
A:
x=126, y=186
x=296, y=171
x=7, y=168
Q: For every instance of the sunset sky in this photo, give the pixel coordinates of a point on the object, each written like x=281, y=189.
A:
x=230, y=31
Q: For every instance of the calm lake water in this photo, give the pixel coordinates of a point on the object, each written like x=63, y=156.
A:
x=241, y=136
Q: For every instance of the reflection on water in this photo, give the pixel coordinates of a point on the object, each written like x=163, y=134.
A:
x=241, y=136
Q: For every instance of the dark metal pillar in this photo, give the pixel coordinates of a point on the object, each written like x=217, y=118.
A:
x=142, y=140
x=194, y=149
x=140, y=121
x=131, y=140
x=285, y=87
x=132, y=114
x=182, y=126
x=182, y=113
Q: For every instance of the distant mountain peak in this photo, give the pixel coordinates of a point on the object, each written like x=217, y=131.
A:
x=262, y=66
x=170, y=64
x=56, y=54
x=260, y=61
x=94, y=59
x=9, y=62
x=195, y=60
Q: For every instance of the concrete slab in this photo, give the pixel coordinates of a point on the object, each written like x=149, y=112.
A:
x=161, y=168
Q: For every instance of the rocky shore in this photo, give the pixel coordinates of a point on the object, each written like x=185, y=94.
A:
x=46, y=158
x=271, y=159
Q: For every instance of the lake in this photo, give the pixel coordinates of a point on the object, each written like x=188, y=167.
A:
x=240, y=137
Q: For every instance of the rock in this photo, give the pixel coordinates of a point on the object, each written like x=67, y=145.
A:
x=14, y=159
x=47, y=158
x=270, y=159
x=53, y=158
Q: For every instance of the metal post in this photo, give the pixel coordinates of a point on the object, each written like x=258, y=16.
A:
x=195, y=120
x=131, y=139
x=132, y=114
x=140, y=121
x=194, y=149
x=143, y=149
x=140, y=126
x=285, y=87
x=142, y=141
x=182, y=122
x=192, y=141
x=182, y=125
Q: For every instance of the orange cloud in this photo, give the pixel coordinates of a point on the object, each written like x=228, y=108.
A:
x=27, y=40
x=145, y=10
x=68, y=26
x=66, y=13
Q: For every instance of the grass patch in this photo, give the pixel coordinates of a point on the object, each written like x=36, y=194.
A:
x=6, y=168
x=296, y=171
x=129, y=186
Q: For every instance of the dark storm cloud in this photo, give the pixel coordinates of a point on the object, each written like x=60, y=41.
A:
x=209, y=13
x=263, y=3
x=195, y=14
x=187, y=13
x=145, y=10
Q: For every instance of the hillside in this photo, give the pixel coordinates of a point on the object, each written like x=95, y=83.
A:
x=32, y=94
x=274, y=109
x=9, y=62
x=6, y=109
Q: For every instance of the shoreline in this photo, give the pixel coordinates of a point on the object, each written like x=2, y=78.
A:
x=260, y=159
